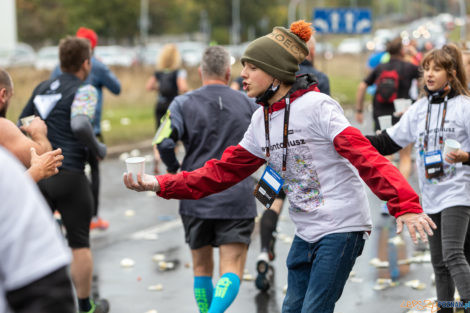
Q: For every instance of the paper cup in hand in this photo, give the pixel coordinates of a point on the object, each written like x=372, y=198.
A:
x=450, y=145
x=401, y=105
x=135, y=165
x=385, y=121
x=25, y=121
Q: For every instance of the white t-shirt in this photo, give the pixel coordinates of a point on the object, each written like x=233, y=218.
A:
x=31, y=245
x=453, y=188
x=325, y=191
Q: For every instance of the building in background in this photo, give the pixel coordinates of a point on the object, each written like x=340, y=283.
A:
x=8, y=23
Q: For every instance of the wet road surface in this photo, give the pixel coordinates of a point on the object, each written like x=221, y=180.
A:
x=143, y=227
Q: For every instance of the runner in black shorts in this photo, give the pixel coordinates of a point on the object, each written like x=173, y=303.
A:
x=208, y=120
x=67, y=105
x=69, y=194
x=201, y=232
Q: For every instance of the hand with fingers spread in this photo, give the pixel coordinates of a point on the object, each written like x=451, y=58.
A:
x=416, y=222
x=144, y=182
x=46, y=164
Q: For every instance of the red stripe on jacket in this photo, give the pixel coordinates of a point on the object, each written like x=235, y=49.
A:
x=215, y=176
x=378, y=173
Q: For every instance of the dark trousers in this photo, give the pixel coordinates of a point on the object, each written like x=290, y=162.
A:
x=450, y=252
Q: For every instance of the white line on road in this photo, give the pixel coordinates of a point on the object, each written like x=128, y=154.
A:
x=151, y=232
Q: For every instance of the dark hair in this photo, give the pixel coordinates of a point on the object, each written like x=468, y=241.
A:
x=395, y=46
x=449, y=58
x=73, y=52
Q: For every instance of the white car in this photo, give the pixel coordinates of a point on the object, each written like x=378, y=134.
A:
x=47, y=58
x=148, y=55
x=19, y=55
x=115, y=55
x=350, y=45
x=191, y=52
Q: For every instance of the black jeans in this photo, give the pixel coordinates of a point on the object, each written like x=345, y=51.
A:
x=450, y=252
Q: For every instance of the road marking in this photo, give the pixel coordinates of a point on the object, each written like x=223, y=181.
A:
x=151, y=232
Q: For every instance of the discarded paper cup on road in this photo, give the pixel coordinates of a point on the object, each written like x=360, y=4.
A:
x=401, y=105
x=25, y=121
x=135, y=165
x=385, y=121
x=451, y=145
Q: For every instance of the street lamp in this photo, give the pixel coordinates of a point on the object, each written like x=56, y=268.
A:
x=291, y=13
x=463, y=16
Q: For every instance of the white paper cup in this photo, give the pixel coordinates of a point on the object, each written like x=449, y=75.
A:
x=135, y=165
x=25, y=121
x=385, y=121
x=450, y=145
x=401, y=105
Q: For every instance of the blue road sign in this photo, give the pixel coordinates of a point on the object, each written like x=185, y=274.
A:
x=342, y=20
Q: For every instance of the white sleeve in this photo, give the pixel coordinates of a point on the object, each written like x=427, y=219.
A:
x=249, y=139
x=182, y=73
x=466, y=114
x=31, y=246
x=404, y=132
x=329, y=119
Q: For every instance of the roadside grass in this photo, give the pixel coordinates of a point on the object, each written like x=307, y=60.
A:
x=130, y=114
x=127, y=124
x=345, y=73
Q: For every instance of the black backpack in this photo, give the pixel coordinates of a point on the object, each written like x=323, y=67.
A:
x=387, y=86
x=167, y=85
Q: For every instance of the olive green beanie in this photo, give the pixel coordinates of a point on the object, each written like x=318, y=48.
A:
x=278, y=53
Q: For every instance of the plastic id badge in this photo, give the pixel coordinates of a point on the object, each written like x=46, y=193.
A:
x=268, y=187
x=433, y=165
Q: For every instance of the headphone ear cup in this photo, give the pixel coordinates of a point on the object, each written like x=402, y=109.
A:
x=438, y=93
x=446, y=88
x=263, y=99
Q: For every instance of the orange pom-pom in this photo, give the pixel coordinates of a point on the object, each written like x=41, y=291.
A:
x=302, y=29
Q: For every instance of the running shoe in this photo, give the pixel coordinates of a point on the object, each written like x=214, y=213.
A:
x=99, y=223
x=262, y=281
x=98, y=306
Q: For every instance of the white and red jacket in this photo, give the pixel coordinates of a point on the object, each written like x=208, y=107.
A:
x=326, y=160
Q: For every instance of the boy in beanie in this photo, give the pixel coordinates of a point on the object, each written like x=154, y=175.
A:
x=311, y=150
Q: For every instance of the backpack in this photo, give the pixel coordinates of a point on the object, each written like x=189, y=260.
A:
x=167, y=86
x=387, y=86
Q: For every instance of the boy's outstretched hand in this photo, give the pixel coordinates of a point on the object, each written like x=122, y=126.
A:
x=420, y=222
x=144, y=182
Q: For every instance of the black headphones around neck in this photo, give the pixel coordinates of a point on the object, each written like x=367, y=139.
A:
x=268, y=94
x=438, y=93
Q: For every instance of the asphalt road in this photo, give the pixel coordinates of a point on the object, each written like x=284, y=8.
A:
x=145, y=228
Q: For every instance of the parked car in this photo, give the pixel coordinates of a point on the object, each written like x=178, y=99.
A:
x=19, y=55
x=115, y=55
x=191, y=52
x=47, y=58
x=351, y=45
x=148, y=54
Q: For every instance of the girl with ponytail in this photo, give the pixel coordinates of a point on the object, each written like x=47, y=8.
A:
x=439, y=117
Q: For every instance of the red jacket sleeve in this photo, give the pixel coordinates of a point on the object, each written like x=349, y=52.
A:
x=378, y=173
x=215, y=176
